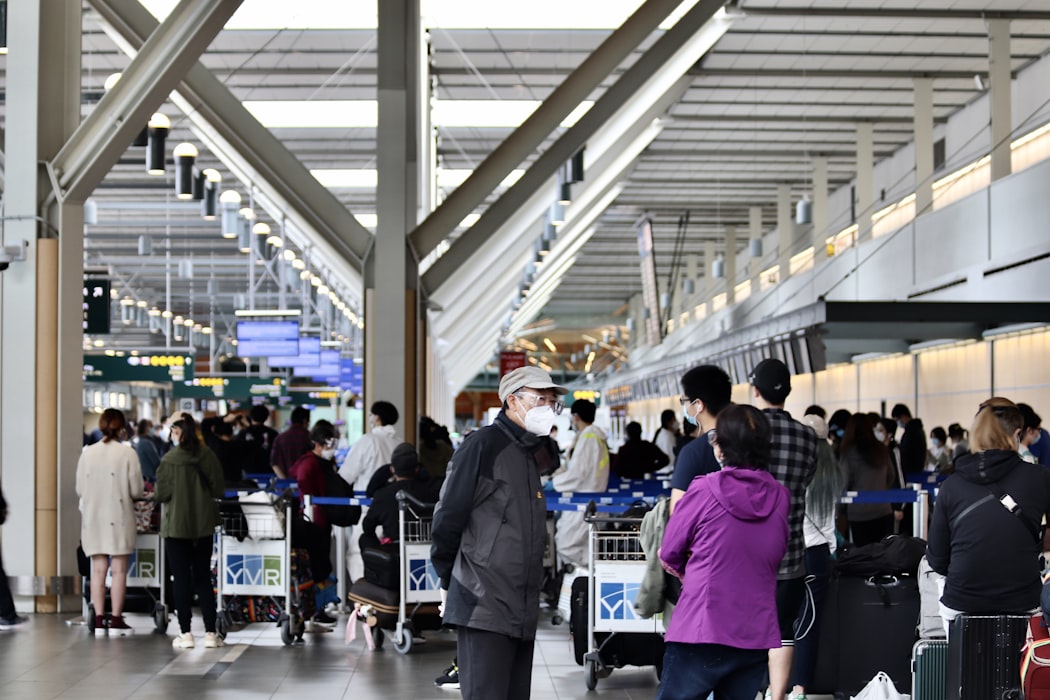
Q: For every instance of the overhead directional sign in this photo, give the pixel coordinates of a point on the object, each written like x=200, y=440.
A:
x=138, y=368
x=229, y=387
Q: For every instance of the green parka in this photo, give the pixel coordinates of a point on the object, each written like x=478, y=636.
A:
x=190, y=510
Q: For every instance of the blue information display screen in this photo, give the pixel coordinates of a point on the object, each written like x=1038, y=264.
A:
x=267, y=338
x=329, y=368
x=309, y=355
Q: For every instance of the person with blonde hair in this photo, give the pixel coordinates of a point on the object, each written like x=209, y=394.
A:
x=108, y=480
x=985, y=536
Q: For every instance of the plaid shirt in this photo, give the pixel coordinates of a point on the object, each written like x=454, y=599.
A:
x=793, y=463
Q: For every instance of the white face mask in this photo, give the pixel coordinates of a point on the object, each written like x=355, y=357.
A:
x=539, y=420
x=692, y=420
x=175, y=440
x=880, y=434
x=328, y=453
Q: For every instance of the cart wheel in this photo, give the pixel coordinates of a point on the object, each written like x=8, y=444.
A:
x=90, y=622
x=160, y=618
x=590, y=674
x=298, y=626
x=403, y=641
x=378, y=637
x=557, y=619
x=286, y=630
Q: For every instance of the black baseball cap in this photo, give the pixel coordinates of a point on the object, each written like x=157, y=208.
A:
x=772, y=379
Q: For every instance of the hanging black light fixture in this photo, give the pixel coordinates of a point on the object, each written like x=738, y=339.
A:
x=3, y=27
x=209, y=207
x=185, y=156
x=158, y=128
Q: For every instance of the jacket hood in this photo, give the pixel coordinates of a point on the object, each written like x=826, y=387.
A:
x=987, y=467
x=748, y=494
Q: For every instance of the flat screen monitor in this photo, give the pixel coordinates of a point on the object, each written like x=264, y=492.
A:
x=309, y=355
x=267, y=338
x=329, y=368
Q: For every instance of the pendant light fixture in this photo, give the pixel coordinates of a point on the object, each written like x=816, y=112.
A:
x=157, y=129
x=185, y=156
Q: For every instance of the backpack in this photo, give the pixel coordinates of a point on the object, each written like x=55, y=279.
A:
x=896, y=554
x=336, y=486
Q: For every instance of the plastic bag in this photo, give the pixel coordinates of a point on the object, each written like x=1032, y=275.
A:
x=880, y=688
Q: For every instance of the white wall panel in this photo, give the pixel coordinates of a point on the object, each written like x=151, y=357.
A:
x=1021, y=371
x=950, y=239
x=1020, y=212
x=952, y=383
x=886, y=381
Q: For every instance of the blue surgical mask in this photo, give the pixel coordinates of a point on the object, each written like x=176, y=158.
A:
x=1036, y=439
x=686, y=417
x=935, y=442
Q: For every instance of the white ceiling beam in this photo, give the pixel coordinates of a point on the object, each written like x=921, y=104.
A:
x=313, y=216
x=532, y=133
x=163, y=57
x=678, y=49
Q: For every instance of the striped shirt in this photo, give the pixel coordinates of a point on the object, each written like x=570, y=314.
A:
x=793, y=462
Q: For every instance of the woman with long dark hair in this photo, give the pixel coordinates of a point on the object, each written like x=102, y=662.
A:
x=726, y=618
x=189, y=479
x=109, y=479
x=866, y=463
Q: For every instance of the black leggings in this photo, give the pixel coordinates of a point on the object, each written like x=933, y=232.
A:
x=189, y=562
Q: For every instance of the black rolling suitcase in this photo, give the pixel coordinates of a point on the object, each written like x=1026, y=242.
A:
x=382, y=603
x=868, y=626
x=984, y=655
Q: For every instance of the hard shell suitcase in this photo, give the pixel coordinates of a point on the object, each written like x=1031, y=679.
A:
x=1035, y=662
x=872, y=628
x=984, y=657
x=929, y=666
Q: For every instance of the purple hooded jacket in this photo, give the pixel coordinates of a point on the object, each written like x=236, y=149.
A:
x=728, y=535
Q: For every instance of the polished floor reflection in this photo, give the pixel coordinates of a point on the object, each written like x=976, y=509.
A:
x=50, y=659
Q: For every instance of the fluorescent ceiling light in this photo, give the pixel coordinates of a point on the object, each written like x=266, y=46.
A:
x=370, y=221
x=363, y=114
x=350, y=179
x=493, y=113
x=450, y=14
x=267, y=312
x=314, y=114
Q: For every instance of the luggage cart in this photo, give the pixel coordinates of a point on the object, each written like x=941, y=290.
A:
x=420, y=586
x=259, y=565
x=616, y=636
x=146, y=581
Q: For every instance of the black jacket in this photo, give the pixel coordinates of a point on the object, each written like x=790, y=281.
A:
x=385, y=509
x=913, y=447
x=989, y=555
x=489, y=530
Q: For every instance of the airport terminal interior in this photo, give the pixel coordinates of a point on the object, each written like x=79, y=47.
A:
x=207, y=205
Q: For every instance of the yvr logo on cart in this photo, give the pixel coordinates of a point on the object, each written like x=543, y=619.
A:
x=617, y=601
x=422, y=576
x=253, y=570
x=143, y=564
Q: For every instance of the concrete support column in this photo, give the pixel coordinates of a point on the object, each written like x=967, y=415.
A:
x=821, y=217
x=999, y=97
x=923, y=88
x=40, y=301
x=865, y=178
x=689, y=300
x=710, y=287
x=785, y=230
x=730, y=264
x=754, y=229
x=635, y=313
x=392, y=357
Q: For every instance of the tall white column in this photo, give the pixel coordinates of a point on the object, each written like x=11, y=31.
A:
x=730, y=264
x=754, y=227
x=999, y=97
x=865, y=178
x=821, y=216
x=785, y=231
x=923, y=88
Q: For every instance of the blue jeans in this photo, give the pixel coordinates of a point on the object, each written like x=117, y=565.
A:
x=691, y=671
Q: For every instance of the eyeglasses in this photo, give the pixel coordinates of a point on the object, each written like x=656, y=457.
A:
x=685, y=400
x=712, y=438
x=541, y=400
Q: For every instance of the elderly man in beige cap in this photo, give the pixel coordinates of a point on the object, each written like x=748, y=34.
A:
x=489, y=533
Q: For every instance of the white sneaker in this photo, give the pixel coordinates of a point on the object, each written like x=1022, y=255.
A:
x=184, y=641
x=213, y=641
